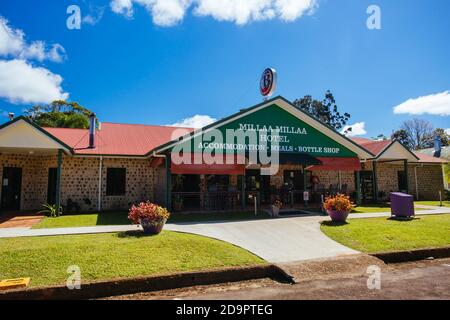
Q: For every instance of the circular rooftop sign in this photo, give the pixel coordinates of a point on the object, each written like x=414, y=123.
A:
x=268, y=82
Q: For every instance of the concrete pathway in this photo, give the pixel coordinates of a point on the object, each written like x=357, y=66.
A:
x=277, y=241
x=281, y=240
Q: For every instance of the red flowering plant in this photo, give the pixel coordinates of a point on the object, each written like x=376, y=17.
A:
x=339, y=203
x=147, y=211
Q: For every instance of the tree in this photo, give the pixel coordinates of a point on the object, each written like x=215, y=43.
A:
x=418, y=133
x=401, y=136
x=60, y=114
x=325, y=110
x=380, y=137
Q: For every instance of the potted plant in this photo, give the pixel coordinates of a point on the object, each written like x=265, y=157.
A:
x=150, y=216
x=338, y=207
x=276, y=207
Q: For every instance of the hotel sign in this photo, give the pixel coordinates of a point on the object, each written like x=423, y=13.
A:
x=269, y=129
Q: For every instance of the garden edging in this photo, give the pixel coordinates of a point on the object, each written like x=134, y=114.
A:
x=413, y=255
x=153, y=283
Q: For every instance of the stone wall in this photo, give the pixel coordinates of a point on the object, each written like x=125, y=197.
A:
x=430, y=181
x=34, y=177
x=80, y=180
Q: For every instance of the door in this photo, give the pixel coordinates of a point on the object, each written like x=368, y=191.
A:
x=51, y=186
x=294, y=181
x=367, y=185
x=11, y=186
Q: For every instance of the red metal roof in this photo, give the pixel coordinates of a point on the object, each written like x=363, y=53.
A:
x=137, y=140
x=424, y=158
x=117, y=139
x=374, y=146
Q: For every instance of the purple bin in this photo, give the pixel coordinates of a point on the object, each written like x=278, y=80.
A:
x=402, y=204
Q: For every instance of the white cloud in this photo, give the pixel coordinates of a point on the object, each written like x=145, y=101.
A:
x=197, y=121
x=164, y=12
x=13, y=44
x=434, y=104
x=171, y=12
x=447, y=131
x=94, y=15
x=20, y=82
x=246, y=11
x=358, y=129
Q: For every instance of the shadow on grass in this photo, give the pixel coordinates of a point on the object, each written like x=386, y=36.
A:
x=334, y=224
x=403, y=219
x=107, y=218
x=134, y=234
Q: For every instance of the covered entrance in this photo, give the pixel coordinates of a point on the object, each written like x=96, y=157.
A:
x=30, y=166
x=305, y=148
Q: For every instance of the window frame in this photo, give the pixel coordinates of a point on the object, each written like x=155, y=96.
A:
x=112, y=189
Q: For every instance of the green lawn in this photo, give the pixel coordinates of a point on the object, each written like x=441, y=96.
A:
x=120, y=218
x=373, y=208
x=369, y=208
x=382, y=234
x=433, y=203
x=84, y=220
x=115, y=255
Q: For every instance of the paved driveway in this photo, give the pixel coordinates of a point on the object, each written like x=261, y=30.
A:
x=278, y=241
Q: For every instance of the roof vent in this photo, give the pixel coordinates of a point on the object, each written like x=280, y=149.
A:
x=92, y=131
x=11, y=116
x=437, y=147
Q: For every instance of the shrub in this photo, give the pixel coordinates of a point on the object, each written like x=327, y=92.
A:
x=50, y=210
x=339, y=202
x=147, y=211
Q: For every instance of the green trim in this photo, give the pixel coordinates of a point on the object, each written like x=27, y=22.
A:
x=375, y=181
x=242, y=112
x=58, y=182
x=405, y=168
x=38, y=127
x=358, y=187
x=168, y=182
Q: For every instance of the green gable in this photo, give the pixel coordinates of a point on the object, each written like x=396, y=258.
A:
x=294, y=135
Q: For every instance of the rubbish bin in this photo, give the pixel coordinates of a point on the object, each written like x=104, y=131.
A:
x=402, y=204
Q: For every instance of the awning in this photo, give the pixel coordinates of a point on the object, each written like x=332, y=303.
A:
x=298, y=158
x=335, y=164
x=229, y=165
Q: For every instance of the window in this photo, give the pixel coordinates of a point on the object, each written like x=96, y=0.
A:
x=115, y=181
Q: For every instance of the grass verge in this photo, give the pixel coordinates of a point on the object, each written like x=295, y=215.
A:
x=382, y=235
x=115, y=255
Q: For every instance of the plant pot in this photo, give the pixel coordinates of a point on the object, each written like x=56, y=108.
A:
x=153, y=226
x=275, y=211
x=338, y=216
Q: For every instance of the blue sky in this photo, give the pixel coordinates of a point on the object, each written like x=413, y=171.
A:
x=156, y=67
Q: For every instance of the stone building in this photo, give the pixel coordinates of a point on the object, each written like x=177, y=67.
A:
x=114, y=165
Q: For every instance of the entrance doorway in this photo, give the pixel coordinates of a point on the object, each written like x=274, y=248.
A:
x=366, y=185
x=255, y=182
x=11, y=187
x=51, y=186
